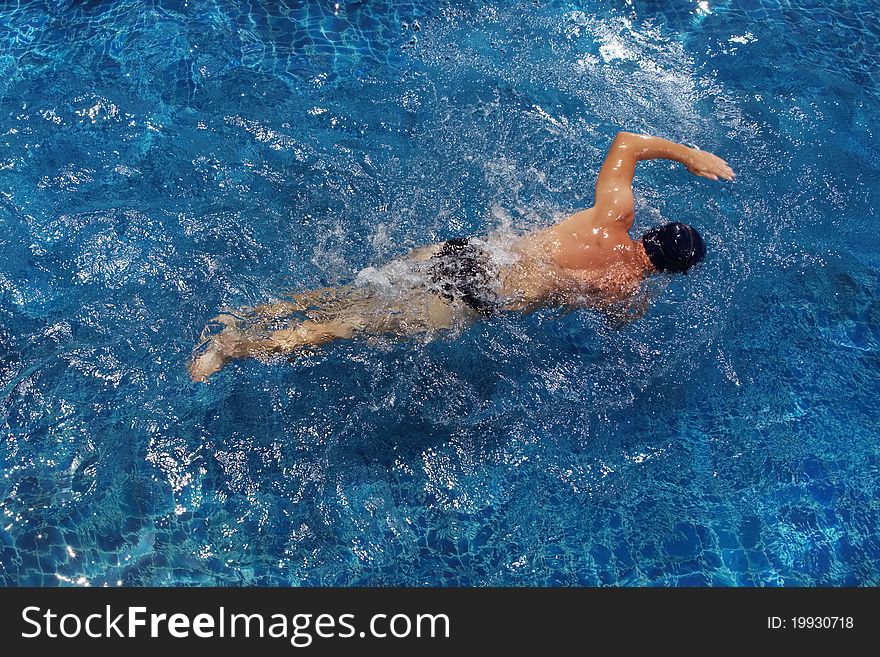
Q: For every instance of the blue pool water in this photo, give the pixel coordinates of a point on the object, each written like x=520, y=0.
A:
x=160, y=160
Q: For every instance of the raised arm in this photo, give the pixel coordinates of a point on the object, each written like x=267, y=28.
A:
x=614, y=196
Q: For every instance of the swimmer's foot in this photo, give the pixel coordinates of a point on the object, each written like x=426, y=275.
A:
x=219, y=351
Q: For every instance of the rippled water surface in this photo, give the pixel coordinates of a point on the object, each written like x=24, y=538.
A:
x=161, y=160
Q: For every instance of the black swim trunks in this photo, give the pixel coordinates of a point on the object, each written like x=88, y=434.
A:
x=462, y=270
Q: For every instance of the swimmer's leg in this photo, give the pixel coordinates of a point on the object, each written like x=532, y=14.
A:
x=421, y=315
x=231, y=344
x=309, y=334
x=299, y=302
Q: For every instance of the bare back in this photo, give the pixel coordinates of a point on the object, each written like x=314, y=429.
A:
x=578, y=260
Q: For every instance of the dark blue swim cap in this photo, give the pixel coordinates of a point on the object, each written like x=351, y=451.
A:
x=674, y=247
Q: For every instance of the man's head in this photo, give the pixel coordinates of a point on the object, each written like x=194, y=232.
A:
x=674, y=247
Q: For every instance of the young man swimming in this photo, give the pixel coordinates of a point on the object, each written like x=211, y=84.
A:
x=589, y=259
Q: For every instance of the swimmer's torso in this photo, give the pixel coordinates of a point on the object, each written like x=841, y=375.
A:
x=575, y=262
x=577, y=259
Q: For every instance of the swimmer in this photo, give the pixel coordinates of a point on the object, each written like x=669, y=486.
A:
x=589, y=259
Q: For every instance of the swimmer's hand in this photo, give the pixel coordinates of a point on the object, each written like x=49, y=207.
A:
x=703, y=163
